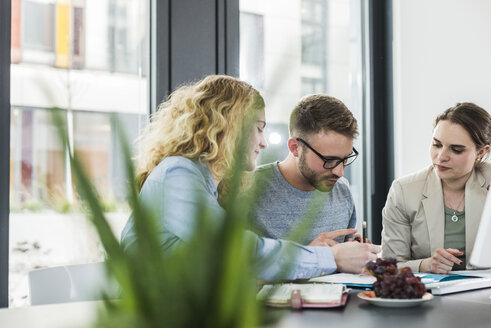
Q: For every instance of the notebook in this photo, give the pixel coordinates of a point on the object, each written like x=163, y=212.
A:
x=304, y=295
x=441, y=284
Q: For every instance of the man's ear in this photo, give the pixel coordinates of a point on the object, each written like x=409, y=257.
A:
x=293, y=145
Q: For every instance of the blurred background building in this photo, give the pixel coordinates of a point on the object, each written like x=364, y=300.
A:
x=89, y=58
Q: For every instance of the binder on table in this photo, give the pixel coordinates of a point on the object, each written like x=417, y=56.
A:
x=304, y=295
x=441, y=284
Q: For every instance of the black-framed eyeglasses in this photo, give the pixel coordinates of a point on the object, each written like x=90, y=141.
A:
x=331, y=162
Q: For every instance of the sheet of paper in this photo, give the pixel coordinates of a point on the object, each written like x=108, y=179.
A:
x=347, y=279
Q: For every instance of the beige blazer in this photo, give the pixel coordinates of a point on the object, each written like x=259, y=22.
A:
x=413, y=218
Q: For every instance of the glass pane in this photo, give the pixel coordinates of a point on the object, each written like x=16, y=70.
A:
x=38, y=24
x=307, y=46
x=87, y=57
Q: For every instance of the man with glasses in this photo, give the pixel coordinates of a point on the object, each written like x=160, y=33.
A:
x=322, y=130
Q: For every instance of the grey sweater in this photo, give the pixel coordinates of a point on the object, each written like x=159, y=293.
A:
x=281, y=206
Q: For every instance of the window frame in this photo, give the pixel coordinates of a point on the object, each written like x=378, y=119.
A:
x=5, y=30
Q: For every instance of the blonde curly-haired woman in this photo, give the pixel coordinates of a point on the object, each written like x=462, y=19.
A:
x=187, y=150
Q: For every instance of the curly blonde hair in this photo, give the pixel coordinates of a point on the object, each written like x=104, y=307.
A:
x=199, y=121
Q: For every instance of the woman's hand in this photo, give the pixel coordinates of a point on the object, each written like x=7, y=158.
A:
x=442, y=261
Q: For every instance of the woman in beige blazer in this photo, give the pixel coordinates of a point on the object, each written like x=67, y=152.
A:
x=441, y=205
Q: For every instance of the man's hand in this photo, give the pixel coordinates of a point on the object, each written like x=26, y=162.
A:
x=327, y=238
x=358, y=238
x=351, y=257
x=442, y=261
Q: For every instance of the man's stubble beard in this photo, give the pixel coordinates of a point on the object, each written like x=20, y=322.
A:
x=319, y=183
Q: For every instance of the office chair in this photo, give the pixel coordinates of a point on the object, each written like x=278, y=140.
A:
x=71, y=283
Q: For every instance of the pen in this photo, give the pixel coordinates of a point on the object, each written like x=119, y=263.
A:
x=364, y=232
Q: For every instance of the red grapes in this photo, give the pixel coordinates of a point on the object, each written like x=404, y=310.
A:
x=393, y=284
x=380, y=266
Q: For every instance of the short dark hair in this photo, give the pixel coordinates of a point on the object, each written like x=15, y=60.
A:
x=474, y=119
x=322, y=113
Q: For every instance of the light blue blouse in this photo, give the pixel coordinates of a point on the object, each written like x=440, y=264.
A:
x=172, y=188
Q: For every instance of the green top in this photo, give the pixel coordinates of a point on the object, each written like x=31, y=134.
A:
x=455, y=234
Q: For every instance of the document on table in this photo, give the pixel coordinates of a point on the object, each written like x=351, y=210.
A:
x=438, y=284
x=474, y=273
x=348, y=279
x=431, y=278
x=456, y=281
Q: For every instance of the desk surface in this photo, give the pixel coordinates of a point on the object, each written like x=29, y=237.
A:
x=467, y=310
x=67, y=315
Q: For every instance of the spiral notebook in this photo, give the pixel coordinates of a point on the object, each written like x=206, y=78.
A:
x=304, y=295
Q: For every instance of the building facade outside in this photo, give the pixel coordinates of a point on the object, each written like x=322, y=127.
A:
x=90, y=59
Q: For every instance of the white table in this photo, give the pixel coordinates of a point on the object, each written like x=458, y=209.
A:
x=67, y=315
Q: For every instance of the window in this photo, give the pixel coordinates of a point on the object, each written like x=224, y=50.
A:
x=64, y=62
x=252, y=41
x=314, y=32
x=121, y=37
x=312, y=85
x=308, y=46
x=78, y=38
x=52, y=32
x=39, y=24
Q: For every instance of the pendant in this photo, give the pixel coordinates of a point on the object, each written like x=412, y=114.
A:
x=454, y=218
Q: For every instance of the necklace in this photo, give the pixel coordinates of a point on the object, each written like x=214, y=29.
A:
x=454, y=217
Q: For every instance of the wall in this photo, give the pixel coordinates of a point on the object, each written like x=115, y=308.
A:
x=442, y=54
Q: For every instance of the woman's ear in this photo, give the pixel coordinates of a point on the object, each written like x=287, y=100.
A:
x=482, y=152
x=293, y=145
